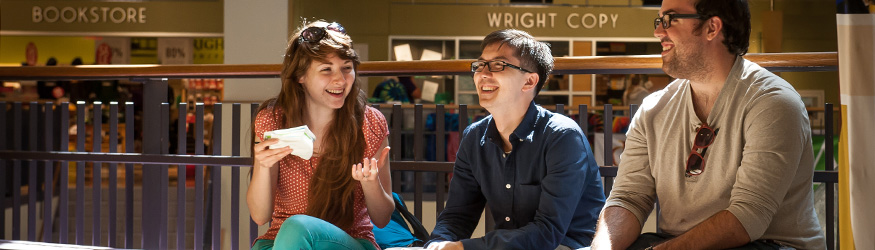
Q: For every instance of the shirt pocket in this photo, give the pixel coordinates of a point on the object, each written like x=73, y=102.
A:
x=527, y=200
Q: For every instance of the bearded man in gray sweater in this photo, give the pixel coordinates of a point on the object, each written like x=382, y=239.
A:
x=726, y=147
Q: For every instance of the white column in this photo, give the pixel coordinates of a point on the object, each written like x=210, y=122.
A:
x=256, y=32
x=856, y=40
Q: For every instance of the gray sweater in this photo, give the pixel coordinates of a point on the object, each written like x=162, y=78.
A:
x=759, y=167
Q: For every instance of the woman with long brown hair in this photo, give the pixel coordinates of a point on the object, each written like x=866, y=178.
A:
x=321, y=202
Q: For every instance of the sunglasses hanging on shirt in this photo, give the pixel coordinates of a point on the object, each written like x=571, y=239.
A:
x=696, y=161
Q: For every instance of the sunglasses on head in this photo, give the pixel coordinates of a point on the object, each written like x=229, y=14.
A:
x=696, y=161
x=316, y=34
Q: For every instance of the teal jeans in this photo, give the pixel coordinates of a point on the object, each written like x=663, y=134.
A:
x=307, y=232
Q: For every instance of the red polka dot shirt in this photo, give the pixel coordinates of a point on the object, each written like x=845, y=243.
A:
x=295, y=174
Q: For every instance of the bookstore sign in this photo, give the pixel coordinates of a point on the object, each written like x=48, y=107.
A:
x=93, y=14
x=150, y=18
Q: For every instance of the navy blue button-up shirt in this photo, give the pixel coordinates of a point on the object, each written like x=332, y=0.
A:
x=547, y=191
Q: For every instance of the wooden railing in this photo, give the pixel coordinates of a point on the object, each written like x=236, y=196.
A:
x=777, y=62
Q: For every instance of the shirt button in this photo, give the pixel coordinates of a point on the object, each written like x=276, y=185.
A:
x=506, y=218
x=521, y=139
x=507, y=186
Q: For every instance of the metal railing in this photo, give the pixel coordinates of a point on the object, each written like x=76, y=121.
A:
x=156, y=159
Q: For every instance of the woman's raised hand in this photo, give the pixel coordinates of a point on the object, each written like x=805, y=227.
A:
x=267, y=158
x=369, y=168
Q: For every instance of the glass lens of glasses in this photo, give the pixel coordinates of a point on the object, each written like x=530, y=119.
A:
x=336, y=27
x=704, y=137
x=694, y=164
x=665, y=20
x=313, y=34
x=477, y=66
x=496, y=66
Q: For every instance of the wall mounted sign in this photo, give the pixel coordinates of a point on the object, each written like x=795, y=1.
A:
x=548, y=21
x=112, y=18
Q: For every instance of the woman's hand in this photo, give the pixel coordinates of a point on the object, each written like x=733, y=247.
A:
x=267, y=158
x=369, y=169
x=262, y=185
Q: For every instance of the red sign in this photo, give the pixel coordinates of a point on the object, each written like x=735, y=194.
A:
x=30, y=54
x=104, y=54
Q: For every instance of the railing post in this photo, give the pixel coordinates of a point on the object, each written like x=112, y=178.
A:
x=16, y=171
x=164, y=183
x=235, y=177
x=154, y=93
x=96, y=141
x=395, y=142
x=418, y=137
x=32, y=187
x=463, y=118
x=608, y=130
x=253, y=227
x=216, y=173
x=80, y=173
x=828, y=186
x=583, y=118
x=3, y=168
x=129, y=174
x=440, y=155
x=633, y=109
x=49, y=172
x=64, y=174
x=113, y=175
x=199, y=178
x=180, y=174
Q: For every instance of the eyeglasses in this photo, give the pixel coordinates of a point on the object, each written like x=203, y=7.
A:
x=494, y=66
x=696, y=162
x=315, y=34
x=667, y=18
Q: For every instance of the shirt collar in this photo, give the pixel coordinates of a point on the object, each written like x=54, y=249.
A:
x=525, y=130
x=726, y=92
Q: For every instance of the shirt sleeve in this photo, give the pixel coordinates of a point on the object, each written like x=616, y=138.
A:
x=263, y=122
x=775, y=130
x=377, y=123
x=464, y=203
x=561, y=191
x=635, y=188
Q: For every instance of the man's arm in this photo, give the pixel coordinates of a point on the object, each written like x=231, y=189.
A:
x=617, y=229
x=721, y=231
x=464, y=203
x=777, y=135
x=633, y=194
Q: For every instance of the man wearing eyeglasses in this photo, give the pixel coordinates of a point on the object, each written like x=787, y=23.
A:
x=726, y=147
x=532, y=167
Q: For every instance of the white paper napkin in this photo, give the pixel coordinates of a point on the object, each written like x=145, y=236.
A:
x=299, y=139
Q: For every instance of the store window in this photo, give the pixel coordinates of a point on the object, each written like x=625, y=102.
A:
x=616, y=89
x=626, y=89
x=426, y=89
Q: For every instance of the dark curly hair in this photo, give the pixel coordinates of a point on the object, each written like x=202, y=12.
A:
x=736, y=22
